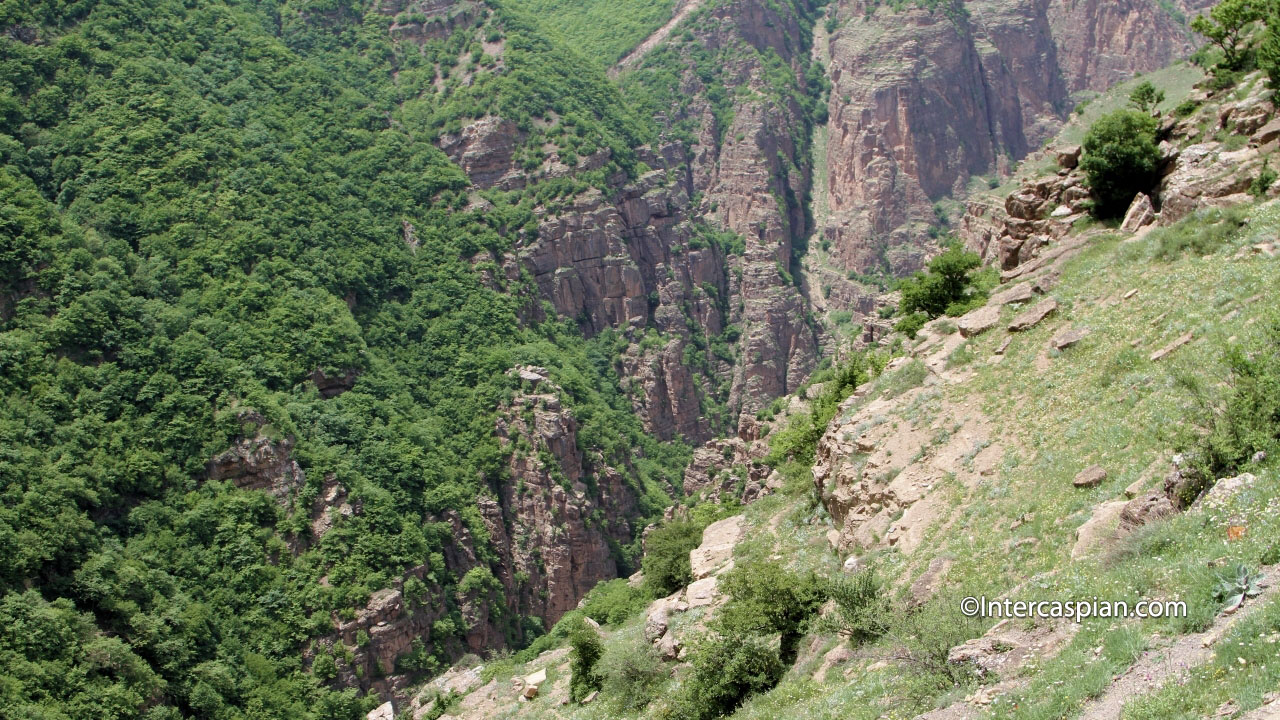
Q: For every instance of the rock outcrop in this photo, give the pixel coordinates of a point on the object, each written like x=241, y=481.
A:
x=924, y=100
x=257, y=460
x=548, y=541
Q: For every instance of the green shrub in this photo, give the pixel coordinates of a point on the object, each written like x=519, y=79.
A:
x=799, y=440
x=948, y=281
x=1185, y=108
x=632, y=674
x=666, y=557
x=912, y=324
x=1145, y=97
x=726, y=670
x=1120, y=160
x=1261, y=184
x=861, y=609
x=1227, y=26
x=925, y=636
x=765, y=598
x=1247, y=419
x=615, y=601
x=585, y=651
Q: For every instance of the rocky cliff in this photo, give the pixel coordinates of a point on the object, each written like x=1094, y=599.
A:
x=924, y=100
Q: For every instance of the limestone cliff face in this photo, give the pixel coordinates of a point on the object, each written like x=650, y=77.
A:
x=925, y=100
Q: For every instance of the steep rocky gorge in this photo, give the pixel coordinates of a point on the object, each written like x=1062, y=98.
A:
x=921, y=103
x=925, y=100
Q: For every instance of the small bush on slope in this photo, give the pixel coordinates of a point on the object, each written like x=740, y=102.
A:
x=632, y=674
x=947, y=288
x=1120, y=160
x=666, y=559
x=586, y=651
x=765, y=598
x=726, y=670
x=1246, y=420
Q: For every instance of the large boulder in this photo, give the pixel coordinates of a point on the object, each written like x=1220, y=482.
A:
x=979, y=321
x=1141, y=214
x=1145, y=510
x=716, y=550
x=1034, y=316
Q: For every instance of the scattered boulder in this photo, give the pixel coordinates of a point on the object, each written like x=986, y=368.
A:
x=717, y=545
x=852, y=564
x=385, y=711
x=1069, y=157
x=1167, y=350
x=1034, y=316
x=1091, y=476
x=1145, y=510
x=1099, y=529
x=1226, y=488
x=702, y=592
x=1141, y=214
x=533, y=683
x=669, y=646
x=1066, y=339
x=979, y=321
x=1185, y=483
x=1019, y=293
x=836, y=656
x=1267, y=133
x=591, y=696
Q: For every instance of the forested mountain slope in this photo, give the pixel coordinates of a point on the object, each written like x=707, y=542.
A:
x=342, y=338
x=235, y=259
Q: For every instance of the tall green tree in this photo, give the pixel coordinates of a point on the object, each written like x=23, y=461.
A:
x=1120, y=160
x=1227, y=25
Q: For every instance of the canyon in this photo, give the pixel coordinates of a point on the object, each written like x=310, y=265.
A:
x=922, y=103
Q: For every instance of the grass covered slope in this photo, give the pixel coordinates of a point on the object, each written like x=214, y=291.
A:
x=601, y=30
x=1015, y=531
x=200, y=207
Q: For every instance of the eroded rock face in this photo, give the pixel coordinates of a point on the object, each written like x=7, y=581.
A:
x=258, y=461
x=924, y=100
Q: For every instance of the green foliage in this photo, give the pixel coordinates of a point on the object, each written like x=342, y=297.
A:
x=1145, y=97
x=1266, y=178
x=585, y=651
x=947, y=287
x=201, y=205
x=1246, y=419
x=799, y=440
x=724, y=672
x=603, y=30
x=1235, y=586
x=1227, y=26
x=925, y=636
x=1201, y=233
x=1269, y=46
x=632, y=674
x=1120, y=160
x=614, y=602
x=861, y=610
x=765, y=598
x=666, y=558
x=911, y=324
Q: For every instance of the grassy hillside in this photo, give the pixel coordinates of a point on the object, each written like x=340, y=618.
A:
x=601, y=30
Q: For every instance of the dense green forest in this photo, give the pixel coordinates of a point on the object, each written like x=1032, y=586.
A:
x=201, y=204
